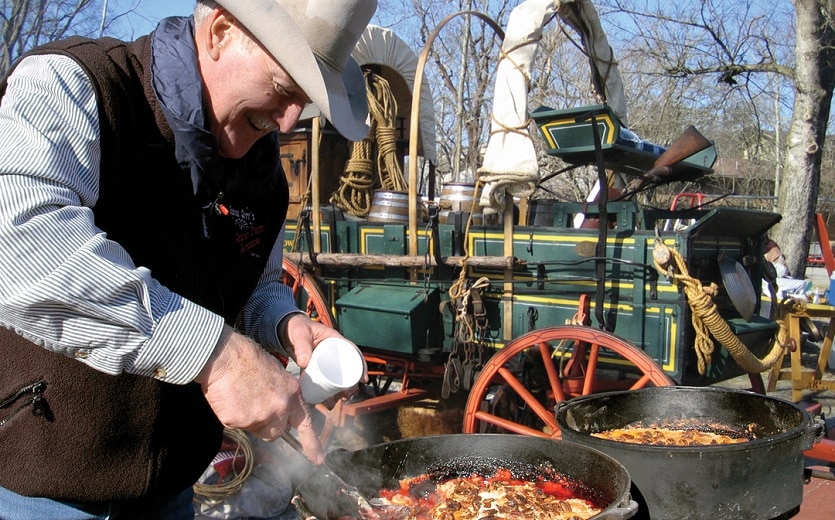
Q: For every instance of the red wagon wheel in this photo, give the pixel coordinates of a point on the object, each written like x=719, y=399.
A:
x=310, y=299
x=519, y=386
x=307, y=293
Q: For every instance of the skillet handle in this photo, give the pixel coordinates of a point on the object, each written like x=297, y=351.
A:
x=623, y=512
x=812, y=433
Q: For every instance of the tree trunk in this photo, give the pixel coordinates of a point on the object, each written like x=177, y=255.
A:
x=807, y=131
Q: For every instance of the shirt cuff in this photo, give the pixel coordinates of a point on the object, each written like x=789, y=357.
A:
x=182, y=342
x=275, y=344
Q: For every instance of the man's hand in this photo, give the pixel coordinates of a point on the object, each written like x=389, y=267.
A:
x=249, y=389
x=301, y=334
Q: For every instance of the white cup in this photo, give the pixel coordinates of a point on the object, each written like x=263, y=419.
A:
x=335, y=365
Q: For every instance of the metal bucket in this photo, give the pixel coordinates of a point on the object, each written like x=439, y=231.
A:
x=458, y=197
x=540, y=212
x=389, y=207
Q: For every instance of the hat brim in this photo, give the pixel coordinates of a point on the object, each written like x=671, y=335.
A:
x=340, y=96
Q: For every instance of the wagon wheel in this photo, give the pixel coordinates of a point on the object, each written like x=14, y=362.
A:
x=307, y=293
x=519, y=386
x=309, y=298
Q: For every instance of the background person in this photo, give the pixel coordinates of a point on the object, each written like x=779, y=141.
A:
x=785, y=284
x=141, y=218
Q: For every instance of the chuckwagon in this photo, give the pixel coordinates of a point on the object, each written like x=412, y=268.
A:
x=544, y=302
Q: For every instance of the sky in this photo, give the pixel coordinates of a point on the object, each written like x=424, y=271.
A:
x=148, y=12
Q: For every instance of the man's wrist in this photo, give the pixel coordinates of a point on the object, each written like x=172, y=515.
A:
x=284, y=345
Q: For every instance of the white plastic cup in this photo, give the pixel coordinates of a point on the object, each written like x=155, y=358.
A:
x=335, y=365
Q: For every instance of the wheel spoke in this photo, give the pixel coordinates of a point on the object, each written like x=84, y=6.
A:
x=551, y=369
x=591, y=368
x=548, y=417
x=307, y=294
x=597, y=355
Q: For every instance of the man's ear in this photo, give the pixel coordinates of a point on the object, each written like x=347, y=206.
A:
x=217, y=32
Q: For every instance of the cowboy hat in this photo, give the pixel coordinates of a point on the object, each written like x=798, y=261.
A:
x=313, y=40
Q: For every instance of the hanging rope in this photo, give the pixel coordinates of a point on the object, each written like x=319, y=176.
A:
x=383, y=108
x=460, y=289
x=461, y=298
x=706, y=319
x=357, y=184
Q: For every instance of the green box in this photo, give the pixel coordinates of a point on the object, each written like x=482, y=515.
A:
x=398, y=318
x=572, y=140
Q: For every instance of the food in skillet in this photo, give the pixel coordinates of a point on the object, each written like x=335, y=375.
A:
x=658, y=436
x=500, y=496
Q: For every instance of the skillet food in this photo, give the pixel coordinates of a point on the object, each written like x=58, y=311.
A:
x=500, y=496
x=658, y=436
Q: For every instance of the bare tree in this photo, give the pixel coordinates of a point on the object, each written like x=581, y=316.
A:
x=25, y=24
x=459, y=69
x=757, y=59
x=814, y=80
x=28, y=23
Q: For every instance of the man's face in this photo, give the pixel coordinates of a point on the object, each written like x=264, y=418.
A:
x=248, y=95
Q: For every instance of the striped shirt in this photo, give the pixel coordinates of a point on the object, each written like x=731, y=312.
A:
x=63, y=284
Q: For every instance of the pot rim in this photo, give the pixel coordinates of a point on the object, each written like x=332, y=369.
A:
x=804, y=425
x=621, y=506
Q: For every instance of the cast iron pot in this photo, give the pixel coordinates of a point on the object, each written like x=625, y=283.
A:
x=602, y=479
x=756, y=480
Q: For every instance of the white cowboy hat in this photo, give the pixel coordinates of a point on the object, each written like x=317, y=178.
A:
x=313, y=40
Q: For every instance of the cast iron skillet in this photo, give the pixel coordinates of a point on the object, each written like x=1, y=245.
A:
x=599, y=478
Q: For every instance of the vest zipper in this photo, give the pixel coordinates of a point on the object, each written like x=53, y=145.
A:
x=31, y=395
x=215, y=207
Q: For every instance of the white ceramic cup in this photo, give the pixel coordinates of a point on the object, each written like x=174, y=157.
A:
x=335, y=365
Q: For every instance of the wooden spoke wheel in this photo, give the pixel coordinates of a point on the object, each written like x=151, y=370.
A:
x=309, y=298
x=307, y=293
x=519, y=386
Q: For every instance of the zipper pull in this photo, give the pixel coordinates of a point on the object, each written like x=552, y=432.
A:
x=219, y=208
x=39, y=406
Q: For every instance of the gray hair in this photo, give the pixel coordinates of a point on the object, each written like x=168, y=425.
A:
x=204, y=9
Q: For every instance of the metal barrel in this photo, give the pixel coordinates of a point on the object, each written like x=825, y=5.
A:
x=390, y=207
x=459, y=197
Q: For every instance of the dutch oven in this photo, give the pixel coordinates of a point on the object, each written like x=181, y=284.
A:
x=756, y=480
x=600, y=478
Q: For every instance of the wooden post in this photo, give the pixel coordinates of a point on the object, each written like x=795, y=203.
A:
x=507, y=296
x=315, y=142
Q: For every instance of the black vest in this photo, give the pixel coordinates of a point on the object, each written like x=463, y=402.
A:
x=96, y=437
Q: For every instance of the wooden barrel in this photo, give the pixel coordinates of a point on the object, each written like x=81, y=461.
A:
x=540, y=213
x=389, y=207
x=458, y=197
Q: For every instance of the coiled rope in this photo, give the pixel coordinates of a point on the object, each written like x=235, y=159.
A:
x=358, y=181
x=222, y=490
x=706, y=319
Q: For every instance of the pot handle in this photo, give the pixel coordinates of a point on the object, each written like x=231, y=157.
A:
x=623, y=512
x=301, y=508
x=813, y=433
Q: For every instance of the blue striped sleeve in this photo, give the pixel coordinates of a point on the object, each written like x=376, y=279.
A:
x=63, y=284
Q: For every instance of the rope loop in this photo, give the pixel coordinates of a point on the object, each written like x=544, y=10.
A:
x=214, y=493
x=706, y=319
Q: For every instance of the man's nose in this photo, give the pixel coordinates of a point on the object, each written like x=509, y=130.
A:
x=288, y=118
